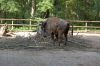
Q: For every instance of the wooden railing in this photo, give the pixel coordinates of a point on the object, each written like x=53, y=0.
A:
x=32, y=25
x=13, y=23
x=86, y=26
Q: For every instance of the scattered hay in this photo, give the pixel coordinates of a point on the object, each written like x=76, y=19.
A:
x=37, y=41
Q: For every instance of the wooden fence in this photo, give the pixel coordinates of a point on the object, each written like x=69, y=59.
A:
x=30, y=25
x=87, y=25
x=12, y=23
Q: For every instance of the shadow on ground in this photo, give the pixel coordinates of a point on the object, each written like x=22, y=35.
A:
x=30, y=41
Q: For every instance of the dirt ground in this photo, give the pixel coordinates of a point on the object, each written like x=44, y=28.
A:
x=48, y=58
x=27, y=49
x=93, y=38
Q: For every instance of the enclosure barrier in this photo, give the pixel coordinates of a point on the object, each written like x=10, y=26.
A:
x=86, y=26
x=19, y=20
x=30, y=25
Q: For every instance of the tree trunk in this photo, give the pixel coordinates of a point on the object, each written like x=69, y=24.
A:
x=33, y=8
x=46, y=14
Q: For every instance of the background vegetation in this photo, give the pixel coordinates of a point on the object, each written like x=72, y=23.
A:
x=37, y=9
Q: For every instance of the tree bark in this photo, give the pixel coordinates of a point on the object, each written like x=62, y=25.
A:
x=46, y=14
x=33, y=8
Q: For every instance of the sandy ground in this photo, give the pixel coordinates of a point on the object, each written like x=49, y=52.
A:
x=93, y=38
x=49, y=57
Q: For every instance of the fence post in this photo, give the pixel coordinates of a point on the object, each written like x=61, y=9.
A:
x=12, y=23
x=85, y=26
x=30, y=24
x=1, y=21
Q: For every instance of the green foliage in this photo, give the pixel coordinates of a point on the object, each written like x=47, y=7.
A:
x=9, y=6
x=44, y=5
x=66, y=9
x=1, y=1
x=38, y=19
x=23, y=28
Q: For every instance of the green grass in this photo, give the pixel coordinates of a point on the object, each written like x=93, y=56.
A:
x=24, y=28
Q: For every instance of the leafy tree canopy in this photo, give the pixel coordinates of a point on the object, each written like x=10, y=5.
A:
x=67, y=9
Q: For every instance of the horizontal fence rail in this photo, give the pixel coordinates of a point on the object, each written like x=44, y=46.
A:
x=82, y=21
x=12, y=24
x=16, y=19
x=19, y=25
x=30, y=25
